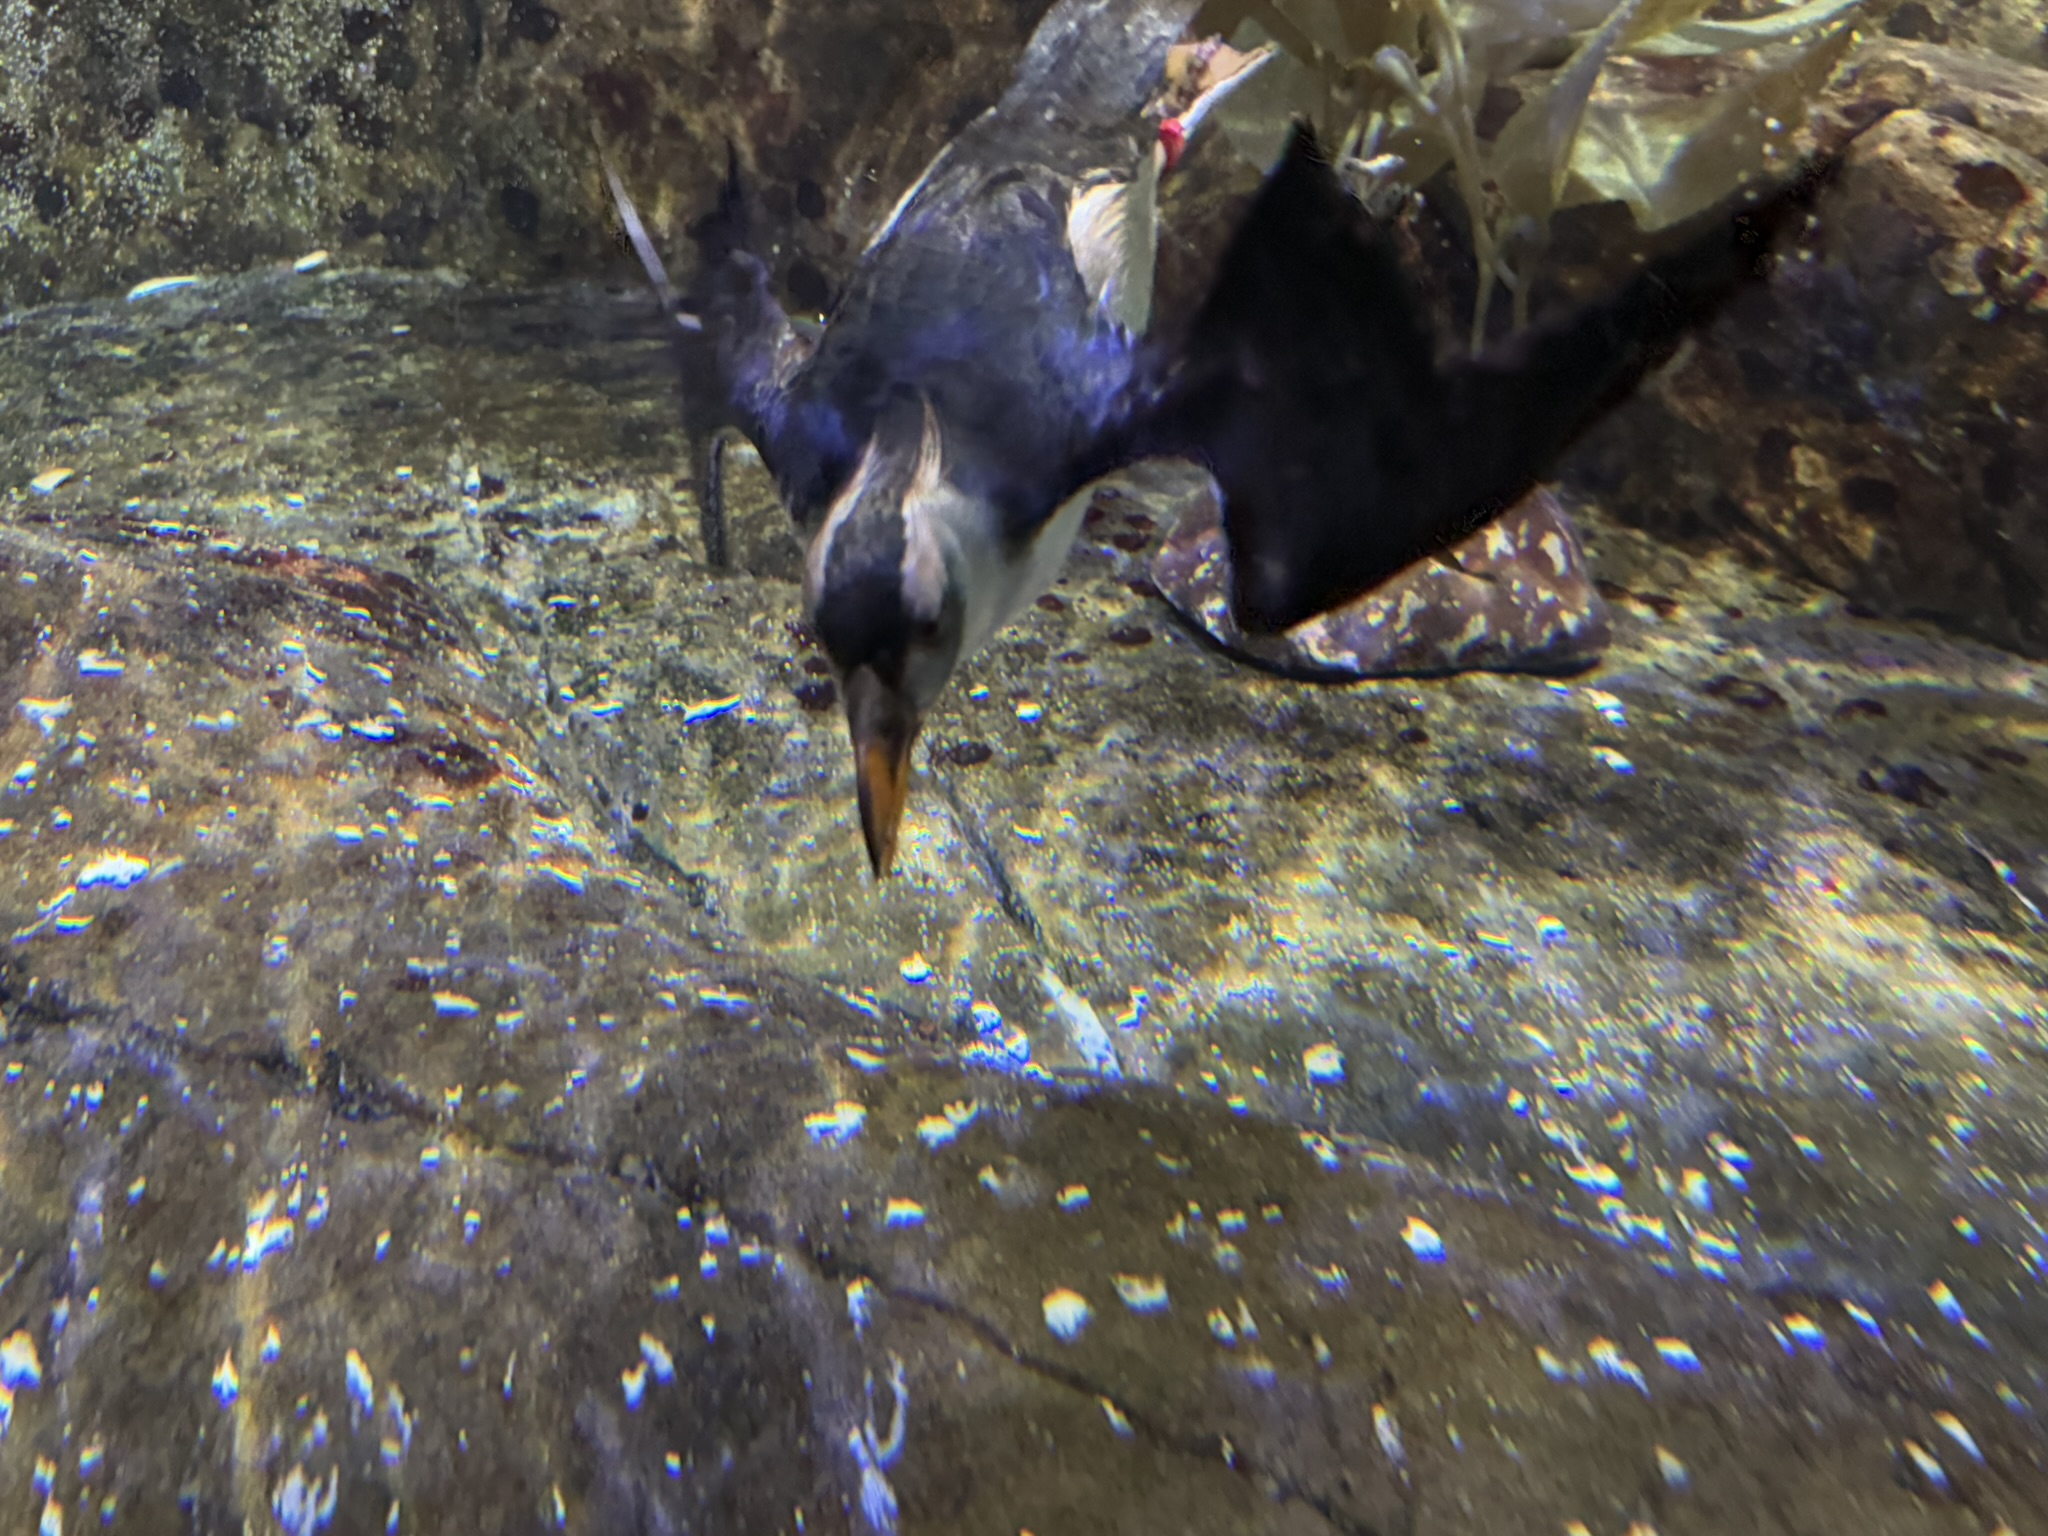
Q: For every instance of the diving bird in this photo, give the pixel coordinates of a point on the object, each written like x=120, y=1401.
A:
x=993, y=352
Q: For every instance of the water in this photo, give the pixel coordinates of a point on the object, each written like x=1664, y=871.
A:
x=459, y=1075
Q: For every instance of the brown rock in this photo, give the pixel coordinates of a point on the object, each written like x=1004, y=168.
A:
x=146, y=138
x=1873, y=417
x=1517, y=596
x=445, y=1081
x=2012, y=28
x=1997, y=96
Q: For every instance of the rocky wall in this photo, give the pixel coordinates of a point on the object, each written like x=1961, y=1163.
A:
x=139, y=137
x=1870, y=423
x=1873, y=418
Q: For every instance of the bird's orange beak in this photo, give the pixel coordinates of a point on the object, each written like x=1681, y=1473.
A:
x=883, y=725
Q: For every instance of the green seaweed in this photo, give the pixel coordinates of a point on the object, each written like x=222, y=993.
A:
x=1404, y=82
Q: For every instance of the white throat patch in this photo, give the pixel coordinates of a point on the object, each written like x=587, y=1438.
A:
x=819, y=555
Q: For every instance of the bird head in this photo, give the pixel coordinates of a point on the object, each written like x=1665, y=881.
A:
x=885, y=588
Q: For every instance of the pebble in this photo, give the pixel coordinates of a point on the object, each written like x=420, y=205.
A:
x=1388, y=1433
x=1322, y=1149
x=1928, y=1466
x=1952, y=1426
x=1698, y=1192
x=1142, y=1293
x=1324, y=1063
x=903, y=1213
x=1806, y=1331
x=157, y=285
x=1422, y=1240
x=118, y=870
x=1615, y=1365
x=1746, y=691
x=1945, y=1301
x=362, y=1389
x=49, y=480
x=1863, y=1319
x=1673, y=1470
x=1066, y=1313
x=1595, y=1176
x=20, y=1365
x=842, y=1122
x=710, y=709
x=1677, y=1354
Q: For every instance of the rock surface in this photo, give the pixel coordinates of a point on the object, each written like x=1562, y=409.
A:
x=1876, y=418
x=458, y=1076
x=156, y=136
x=2014, y=29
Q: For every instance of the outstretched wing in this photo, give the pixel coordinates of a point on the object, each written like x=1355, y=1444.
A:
x=1308, y=383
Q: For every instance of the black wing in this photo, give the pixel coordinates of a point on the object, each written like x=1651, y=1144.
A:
x=1308, y=383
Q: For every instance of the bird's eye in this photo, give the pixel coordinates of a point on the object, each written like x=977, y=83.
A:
x=927, y=631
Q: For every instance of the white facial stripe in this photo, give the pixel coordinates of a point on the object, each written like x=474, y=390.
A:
x=930, y=454
x=820, y=552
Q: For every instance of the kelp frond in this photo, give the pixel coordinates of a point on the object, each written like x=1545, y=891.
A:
x=1603, y=114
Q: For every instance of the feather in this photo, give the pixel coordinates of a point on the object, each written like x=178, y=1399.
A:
x=1113, y=231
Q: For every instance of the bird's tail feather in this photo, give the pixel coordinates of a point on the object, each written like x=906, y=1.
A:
x=740, y=339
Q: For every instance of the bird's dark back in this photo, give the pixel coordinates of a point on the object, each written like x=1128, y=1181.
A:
x=974, y=303
x=970, y=296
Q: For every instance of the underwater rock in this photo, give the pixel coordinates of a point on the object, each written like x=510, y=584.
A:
x=1517, y=596
x=1876, y=417
x=457, y=1075
x=2012, y=28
